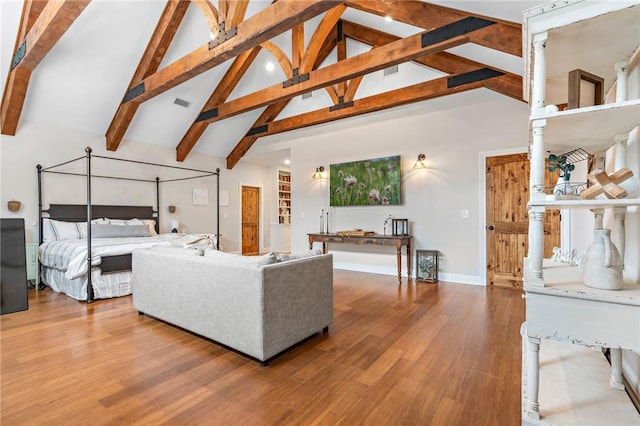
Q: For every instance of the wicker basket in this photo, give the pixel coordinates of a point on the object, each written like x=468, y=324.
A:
x=13, y=206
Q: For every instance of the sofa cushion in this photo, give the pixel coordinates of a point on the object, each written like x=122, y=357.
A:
x=193, y=251
x=265, y=259
x=283, y=257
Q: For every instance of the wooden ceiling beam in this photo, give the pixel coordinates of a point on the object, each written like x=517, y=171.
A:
x=297, y=45
x=272, y=111
x=41, y=26
x=325, y=31
x=390, y=54
x=268, y=115
x=229, y=82
x=263, y=26
x=502, y=82
x=157, y=47
x=442, y=61
x=236, y=12
x=505, y=36
x=439, y=87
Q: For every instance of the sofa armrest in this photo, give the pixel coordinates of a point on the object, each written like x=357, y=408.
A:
x=298, y=300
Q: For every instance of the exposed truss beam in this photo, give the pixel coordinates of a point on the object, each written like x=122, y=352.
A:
x=157, y=47
x=263, y=26
x=442, y=86
x=394, y=53
x=503, y=82
x=505, y=36
x=441, y=61
x=41, y=27
x=272, y=111
x=229, y=81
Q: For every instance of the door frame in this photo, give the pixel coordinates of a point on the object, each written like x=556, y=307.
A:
x=260, y=215
x=482, y=217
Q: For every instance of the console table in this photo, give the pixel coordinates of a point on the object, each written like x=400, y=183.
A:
x=382, y=240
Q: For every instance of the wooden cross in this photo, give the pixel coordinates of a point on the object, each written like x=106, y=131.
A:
x=601, y=182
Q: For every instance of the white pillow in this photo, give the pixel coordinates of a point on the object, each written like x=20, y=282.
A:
x=128, y=222
x=110, y=231
x=265, y=259
x=193, y=251
x=53, y=230
x=152, y=226
x=283, y=257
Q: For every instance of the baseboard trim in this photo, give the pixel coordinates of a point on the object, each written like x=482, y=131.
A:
x=455, y=278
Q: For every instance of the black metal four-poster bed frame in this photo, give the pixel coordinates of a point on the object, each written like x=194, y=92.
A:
x=89, y=212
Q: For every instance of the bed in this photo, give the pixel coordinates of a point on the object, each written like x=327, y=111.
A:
x=76, y=238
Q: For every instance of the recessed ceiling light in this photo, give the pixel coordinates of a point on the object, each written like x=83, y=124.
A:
x=388, y=18
x=270, y=67
x=287, y=161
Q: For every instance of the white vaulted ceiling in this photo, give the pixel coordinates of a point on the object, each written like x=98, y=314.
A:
x=81, y=81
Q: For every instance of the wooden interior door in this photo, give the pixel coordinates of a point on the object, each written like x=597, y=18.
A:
x=250, y=220
x=507, y=224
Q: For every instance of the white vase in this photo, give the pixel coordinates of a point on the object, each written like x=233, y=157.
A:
x=602, y=265
x=563, y=187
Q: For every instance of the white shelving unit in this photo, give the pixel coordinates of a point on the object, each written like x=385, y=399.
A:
x=284, y=196
x=599, y=38
x=281, y=225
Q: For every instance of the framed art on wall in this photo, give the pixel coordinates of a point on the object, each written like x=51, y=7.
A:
x=366, y=182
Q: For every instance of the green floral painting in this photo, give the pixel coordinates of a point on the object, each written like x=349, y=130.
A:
x=366, y=182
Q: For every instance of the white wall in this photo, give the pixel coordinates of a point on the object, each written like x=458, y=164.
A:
x=48, y=145
x=451, y=132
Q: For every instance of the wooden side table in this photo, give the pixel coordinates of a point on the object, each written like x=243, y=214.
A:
x=32, y=263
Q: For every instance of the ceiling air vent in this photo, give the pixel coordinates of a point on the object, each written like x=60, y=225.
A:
x=182, y=102
x=390, y=71
x=307, y=95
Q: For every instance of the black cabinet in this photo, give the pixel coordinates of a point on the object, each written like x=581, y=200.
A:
x=13, y=267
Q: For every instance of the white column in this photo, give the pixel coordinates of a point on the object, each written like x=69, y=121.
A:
x=621, y=151
x=621, y=81
x=533, y=378
x=539, y=80
x=618, y=234
x=536, y=245
x=536, y=172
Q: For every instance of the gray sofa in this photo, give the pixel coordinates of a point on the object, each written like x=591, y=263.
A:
x=259, y=310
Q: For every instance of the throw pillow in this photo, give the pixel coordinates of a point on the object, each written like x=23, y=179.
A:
x=179, y=250
x=111, y=231
x=265, y=259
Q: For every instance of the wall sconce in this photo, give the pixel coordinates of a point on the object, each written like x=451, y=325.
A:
x=419, y=164
x=319, y=174
x=172, y=209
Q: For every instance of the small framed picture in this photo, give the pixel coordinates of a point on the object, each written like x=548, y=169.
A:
x=427, y=265
x=200, y=197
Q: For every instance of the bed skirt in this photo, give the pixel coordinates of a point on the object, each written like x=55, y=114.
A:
x=104, y=286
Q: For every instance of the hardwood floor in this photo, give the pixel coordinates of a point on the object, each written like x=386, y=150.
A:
x=414, y=354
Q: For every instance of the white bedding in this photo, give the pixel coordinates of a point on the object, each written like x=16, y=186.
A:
x=104, y=286
x=70, y=256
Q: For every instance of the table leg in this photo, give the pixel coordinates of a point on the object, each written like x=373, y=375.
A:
x=616, y=380
x=409, y=259
x=399, y=259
